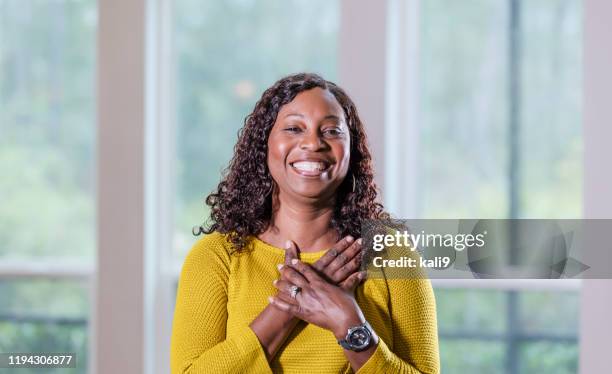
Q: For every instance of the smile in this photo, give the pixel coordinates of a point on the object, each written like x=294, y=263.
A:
x=310, y=168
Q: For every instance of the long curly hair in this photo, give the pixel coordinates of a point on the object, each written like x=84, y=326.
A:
x=241, y=206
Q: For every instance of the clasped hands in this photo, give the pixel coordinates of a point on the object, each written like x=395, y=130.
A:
x=326, y=289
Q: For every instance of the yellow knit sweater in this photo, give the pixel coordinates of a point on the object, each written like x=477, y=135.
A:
x=221, y=292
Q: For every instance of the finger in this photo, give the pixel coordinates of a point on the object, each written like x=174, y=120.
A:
x=354, y=249
x=305, y=270
x=353, y=281
x=287, y=298
x=290, y=274
x=347, y=269
x=282, y=305
x=344, y=257
x=283, y=286
x=291, y=251
x=331, y=254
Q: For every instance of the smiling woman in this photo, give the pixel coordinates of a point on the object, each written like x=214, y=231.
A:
x=275, y=286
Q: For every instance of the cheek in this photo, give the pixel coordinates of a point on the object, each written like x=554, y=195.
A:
x=343, y=152
x=277, y=153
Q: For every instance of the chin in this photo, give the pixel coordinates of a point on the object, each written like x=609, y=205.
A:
x=312, y=192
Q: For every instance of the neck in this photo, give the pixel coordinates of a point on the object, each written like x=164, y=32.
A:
x=308, y=225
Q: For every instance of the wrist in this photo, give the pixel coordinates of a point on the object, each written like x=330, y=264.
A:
x=282, y=317
x=341, y=328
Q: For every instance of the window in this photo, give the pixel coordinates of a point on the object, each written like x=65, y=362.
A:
x=498, y=331
x=45, y=315
x=47, y=134
x=500, y=116
x=500, y=108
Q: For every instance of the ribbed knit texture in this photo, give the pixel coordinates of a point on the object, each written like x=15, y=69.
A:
x=220, y=292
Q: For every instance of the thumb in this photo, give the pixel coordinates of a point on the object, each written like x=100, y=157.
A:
x=291, y=252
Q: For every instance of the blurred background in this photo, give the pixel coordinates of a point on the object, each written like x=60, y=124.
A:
x=474, y=110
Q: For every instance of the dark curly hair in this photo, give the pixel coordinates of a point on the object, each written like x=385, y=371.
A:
x=241, y=206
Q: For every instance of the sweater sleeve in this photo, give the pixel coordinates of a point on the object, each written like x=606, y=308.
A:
x=415, y=331
x=199, y=343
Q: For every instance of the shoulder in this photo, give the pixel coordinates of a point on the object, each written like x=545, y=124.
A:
x=205, y=273
x=402, y=289
x=211, y=250
x=412, y=295
x=414, y=286
x=216, y=241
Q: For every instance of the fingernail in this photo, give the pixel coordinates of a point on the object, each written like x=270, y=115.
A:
x=350, y=239
x=288, y=244
x=270, y=299
x=279, y=266
x=275, y=281
x=294, y=261
x=359, y=241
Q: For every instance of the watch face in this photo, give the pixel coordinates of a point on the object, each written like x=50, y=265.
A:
x=360, y=337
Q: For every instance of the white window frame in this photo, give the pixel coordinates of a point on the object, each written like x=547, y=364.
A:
x=135, y=201
x=596, y=299
x=118, y=333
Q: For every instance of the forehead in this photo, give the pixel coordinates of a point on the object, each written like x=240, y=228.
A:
x=316, y=102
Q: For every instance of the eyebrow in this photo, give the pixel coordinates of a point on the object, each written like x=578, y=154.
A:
x=329, y=116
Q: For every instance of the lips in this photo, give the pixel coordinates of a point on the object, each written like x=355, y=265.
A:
x=310, y=168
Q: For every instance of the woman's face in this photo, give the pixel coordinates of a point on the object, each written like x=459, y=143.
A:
x=309, y=146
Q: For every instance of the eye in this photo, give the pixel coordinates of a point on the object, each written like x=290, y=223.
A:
x=292, y=129
x=333, y=131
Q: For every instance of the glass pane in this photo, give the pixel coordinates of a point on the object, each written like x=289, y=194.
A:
x=489, y=139
x=549, y=358
x=462, y=114
x=47, y=148
x=469, y=356
x=550, y=109
x=471, y=311
x=44, y=316
x=220, y=75
x=542, y=339
x=548, y=312
x=47, y=73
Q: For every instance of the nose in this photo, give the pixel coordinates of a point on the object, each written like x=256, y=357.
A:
x=312, y=141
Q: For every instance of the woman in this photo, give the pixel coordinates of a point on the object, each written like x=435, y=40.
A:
x=259, y=293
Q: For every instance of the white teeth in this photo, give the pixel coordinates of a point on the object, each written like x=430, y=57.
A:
x=309, y=166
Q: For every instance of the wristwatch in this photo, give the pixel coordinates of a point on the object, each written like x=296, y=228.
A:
x=358, y=338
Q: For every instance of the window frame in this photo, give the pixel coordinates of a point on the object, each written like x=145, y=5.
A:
x=402, y=123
